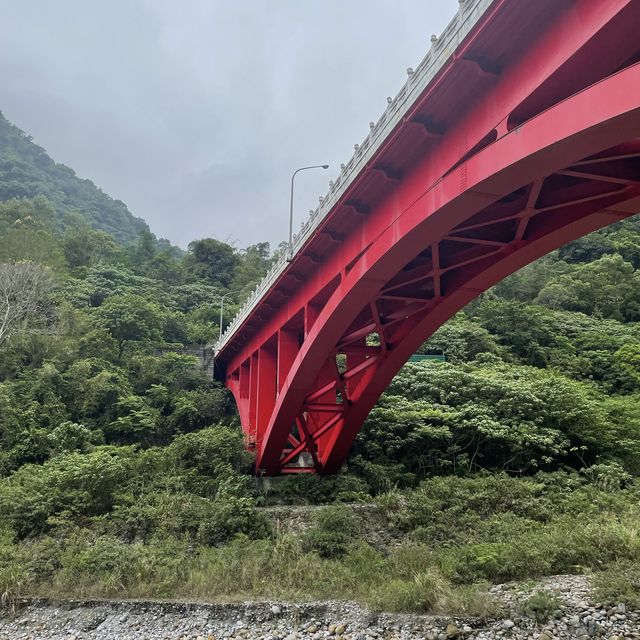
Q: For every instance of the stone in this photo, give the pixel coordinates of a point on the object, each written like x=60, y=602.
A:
x=452, y=631
x=275, y=609
x=508, y=624
x=340, y=629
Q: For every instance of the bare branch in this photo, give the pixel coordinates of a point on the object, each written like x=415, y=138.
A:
x=24, y=298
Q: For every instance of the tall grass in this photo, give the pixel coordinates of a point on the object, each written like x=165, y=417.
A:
x=585, y=532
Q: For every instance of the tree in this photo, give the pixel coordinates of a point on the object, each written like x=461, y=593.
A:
x=130, y=318
x=212, y=260
x=607, y=287
x=460, y=340
x=255, y=262
x=27, y=233
x=24, y=298
x=587, y=249
x=526, y=330
x=83, y=246
x=629, y=358
x=438, y=417
x=145, y=249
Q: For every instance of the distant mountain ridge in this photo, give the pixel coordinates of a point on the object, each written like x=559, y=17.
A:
x=26, y=170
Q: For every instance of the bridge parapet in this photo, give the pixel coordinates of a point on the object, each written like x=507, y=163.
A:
x=442, y=50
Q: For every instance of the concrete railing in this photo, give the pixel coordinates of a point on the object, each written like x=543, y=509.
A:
x=442, y=48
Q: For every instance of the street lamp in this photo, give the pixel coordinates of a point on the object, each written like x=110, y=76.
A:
x=315, y=166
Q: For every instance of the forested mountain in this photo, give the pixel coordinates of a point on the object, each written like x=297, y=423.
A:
x=27, y=171
x=122, y=466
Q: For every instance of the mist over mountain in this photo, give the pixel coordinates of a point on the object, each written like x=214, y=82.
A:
x=26, y=170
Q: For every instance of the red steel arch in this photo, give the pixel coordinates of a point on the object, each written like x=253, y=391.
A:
x=527, y=139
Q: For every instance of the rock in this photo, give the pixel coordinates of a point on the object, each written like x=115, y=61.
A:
x=452, y=631
x=310, y=621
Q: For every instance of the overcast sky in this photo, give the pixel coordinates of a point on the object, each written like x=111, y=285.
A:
x=195, y=112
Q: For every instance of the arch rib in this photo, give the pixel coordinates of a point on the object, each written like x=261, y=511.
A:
x=528, y=159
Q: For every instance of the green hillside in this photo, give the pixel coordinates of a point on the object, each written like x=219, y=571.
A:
x=27, y=171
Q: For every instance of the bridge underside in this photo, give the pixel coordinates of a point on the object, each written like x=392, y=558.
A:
x=545, y=150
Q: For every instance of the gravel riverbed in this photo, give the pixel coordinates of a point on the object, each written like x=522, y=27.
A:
x=579, y=617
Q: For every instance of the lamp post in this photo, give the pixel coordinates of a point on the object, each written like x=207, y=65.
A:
x=314, y=166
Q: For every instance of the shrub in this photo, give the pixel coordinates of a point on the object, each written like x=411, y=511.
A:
x=390, y=503
x=333, y=531
x=230, y=516
x=180, y=514
x=445, y=511
x=104, y=566
x=542, y=605
x=620, y=583
x=316, y=489
x=559, y=547
x=209, y=456
x=426, y=592
x=607, y=476
x=13, y=573
x=70, y=486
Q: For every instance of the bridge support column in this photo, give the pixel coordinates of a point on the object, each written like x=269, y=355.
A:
x=287, y=351
x=266, y=381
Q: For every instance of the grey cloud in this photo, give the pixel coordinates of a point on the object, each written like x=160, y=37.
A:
x=196, y=112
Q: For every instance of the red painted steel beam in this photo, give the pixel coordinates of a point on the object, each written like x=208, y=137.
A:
x=447, y=202
x=595, y=119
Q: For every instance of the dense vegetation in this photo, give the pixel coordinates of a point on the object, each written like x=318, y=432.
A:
x=122, y=467
x=27, y=171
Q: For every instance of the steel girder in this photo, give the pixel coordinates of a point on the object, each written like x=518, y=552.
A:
x=548, y=152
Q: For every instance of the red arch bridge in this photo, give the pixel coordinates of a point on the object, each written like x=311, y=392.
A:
x=517, y=133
